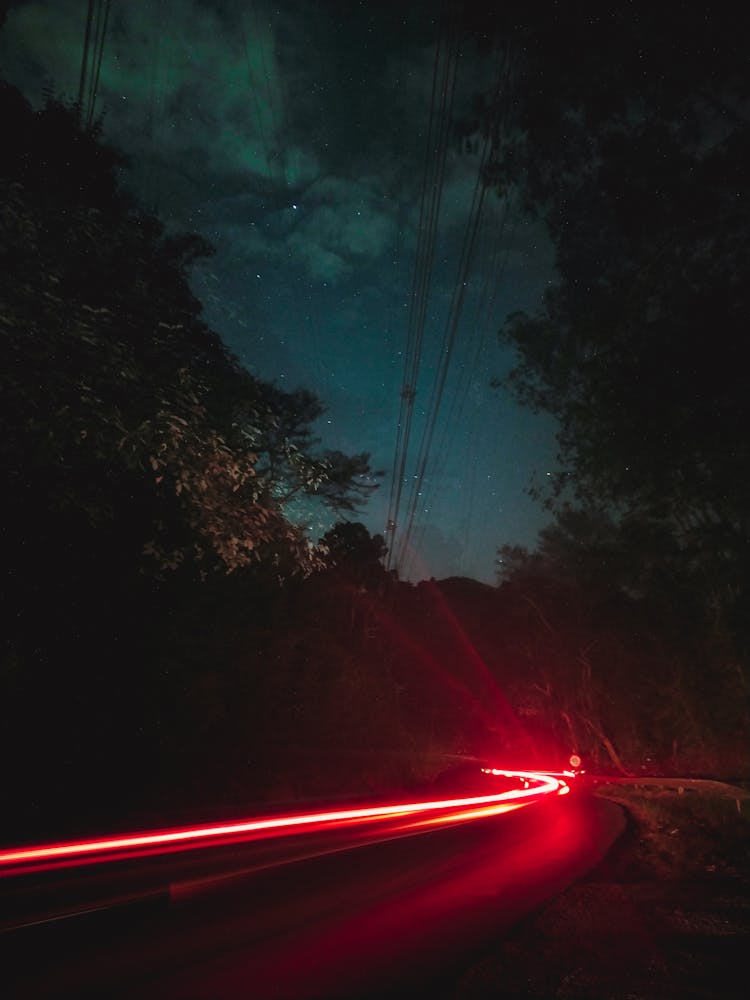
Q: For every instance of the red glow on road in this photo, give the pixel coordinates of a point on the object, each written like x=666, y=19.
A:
x=432, y=813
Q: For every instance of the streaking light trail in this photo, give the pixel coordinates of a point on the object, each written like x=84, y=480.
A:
x=430, y=813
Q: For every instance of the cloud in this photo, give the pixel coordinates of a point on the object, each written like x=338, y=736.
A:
x=176, y=76
x=342, y=223
x=41, y=43
x=232, y=113
x=292, y=134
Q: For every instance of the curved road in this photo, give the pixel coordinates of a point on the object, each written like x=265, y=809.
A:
x=402, y=916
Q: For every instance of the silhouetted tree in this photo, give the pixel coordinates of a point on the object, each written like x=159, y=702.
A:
x=628, y=133
x=355, y=554
x=124, y=406
x=612, y=649
x=138, y=455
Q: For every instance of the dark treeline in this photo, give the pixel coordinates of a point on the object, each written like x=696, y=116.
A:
x=146, y=473
x=171, y=642
x=173, y=645
x=626, y=129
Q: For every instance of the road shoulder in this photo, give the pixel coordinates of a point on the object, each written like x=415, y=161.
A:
x=666, y=914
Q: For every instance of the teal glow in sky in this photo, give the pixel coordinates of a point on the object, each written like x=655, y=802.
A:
x=291, y=134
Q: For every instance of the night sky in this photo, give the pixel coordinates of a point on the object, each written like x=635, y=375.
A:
x=291, y=134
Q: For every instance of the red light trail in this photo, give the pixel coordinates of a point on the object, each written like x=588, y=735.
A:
x=420, y=814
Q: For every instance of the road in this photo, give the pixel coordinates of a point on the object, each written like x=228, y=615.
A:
x=353, y=913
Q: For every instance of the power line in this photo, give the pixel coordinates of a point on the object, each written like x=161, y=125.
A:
x=85, y=54
x=441, y=103
x=449, y=341
x=494, y=267
x=456, y=306
x=95, y=33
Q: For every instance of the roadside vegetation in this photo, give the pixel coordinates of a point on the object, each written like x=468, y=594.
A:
x=666, y=915
x=176, y=645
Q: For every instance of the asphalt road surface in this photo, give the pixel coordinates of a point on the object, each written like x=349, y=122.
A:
x=401, y=916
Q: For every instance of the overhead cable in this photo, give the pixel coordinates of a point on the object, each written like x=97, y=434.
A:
x=404, y=551
x=438, y=133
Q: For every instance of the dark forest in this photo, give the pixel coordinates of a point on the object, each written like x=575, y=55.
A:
x=174, y=645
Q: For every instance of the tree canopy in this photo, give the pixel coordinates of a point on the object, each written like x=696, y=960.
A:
x=154, y=504
x=627, y=130
x=122, y=406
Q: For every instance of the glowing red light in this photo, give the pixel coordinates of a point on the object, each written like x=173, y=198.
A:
x=442, y=811
x=574, y=760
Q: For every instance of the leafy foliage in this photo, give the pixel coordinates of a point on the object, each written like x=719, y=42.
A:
x=121, y=402
x=139, y=454
x=641, y=174
x=636, y=154
x=615, y=651
x=355, y=554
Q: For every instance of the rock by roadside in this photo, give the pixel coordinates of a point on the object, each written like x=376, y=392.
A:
x=667, y=914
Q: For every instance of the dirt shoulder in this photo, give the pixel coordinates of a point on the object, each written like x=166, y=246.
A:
x=666, y=915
